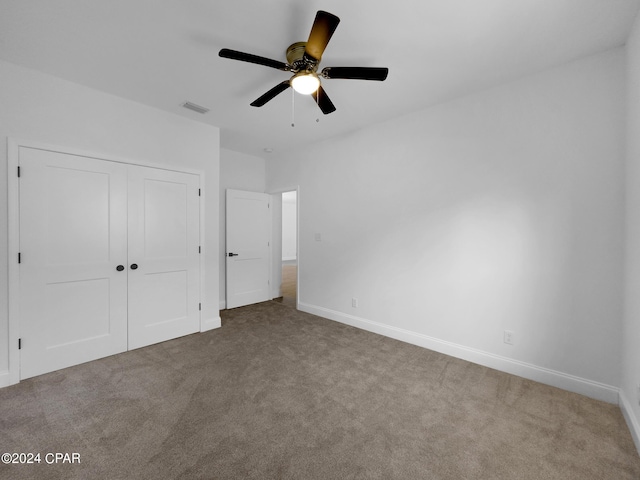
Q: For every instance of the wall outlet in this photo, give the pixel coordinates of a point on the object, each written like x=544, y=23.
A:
x=318, y=237
x=354, y=302
x=508, y=337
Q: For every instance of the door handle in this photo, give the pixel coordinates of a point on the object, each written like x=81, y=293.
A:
x=134, y=266
x=120, y=268
x=233, y=254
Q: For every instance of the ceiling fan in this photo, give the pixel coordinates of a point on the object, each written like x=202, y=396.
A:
x=303, y=59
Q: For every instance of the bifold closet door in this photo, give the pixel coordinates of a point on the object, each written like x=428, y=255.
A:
x=164, y=274
x=73, y=238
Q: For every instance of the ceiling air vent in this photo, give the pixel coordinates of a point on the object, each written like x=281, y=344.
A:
x=194, y=107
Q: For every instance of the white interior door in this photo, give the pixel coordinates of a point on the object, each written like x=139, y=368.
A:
x=164, y=238
x=73, y=236
x=248, y=233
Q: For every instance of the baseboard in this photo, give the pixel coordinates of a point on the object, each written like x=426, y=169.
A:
x=583, y=386
x=631, y=419
x=210, y=324
x=5, y=379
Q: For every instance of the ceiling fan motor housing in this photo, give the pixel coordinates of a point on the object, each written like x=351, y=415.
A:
x=295, y=52
x=298, y=60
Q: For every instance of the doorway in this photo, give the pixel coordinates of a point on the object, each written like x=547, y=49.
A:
x=289, y=253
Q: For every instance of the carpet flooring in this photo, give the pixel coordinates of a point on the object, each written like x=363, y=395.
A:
x=280, y=394
x=289, y=284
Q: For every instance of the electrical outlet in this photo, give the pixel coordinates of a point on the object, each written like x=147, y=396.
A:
x=354, y=302
x=318, y=237
x=508, y=337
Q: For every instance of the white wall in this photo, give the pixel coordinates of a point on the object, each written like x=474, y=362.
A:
x=46, y=109
x=238, y=171
x=630, y=384
x=499, y=211
x=289, y=228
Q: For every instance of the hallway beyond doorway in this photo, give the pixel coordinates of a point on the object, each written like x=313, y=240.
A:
x=289, y=281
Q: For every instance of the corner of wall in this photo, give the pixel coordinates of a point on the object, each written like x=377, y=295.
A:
x=630, y=418
x=631, y=323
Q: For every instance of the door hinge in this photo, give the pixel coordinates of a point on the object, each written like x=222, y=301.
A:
x=199, y=306
x=199, y=249
x=18, y=172
x=19, y=257
x=199, y=193
x=19, y=344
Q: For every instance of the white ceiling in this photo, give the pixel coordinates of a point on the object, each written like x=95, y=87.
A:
x=165, y=52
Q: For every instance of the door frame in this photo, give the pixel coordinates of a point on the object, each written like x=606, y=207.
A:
x=276, y=232
x=12, y=376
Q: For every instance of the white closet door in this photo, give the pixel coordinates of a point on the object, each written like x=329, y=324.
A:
x=73, y=232
x=164, y=276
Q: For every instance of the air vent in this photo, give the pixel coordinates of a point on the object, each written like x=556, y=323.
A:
x=194, y=107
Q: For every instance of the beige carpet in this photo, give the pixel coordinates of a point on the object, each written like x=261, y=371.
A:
x=279, y=394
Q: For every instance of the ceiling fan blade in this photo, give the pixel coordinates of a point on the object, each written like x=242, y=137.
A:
x=323, y=101
x=323, y=27
x=356, y=73
x=275, y=91
x=247, y=57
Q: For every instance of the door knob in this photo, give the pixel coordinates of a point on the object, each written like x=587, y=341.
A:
x=134, y=266
x=233, y=254
x=120, y=268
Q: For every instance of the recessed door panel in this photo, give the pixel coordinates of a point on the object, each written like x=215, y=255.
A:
x=165, y=236
x=78, y=230
x=76, y=311
x=169, y=301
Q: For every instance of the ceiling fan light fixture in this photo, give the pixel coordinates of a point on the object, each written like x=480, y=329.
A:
x=305, y=83
x=303, y=60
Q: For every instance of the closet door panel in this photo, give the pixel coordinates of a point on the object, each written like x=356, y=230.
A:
x=164, y=231
x=73, y=235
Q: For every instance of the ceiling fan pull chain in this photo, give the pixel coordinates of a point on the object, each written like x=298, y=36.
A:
x=293, y=109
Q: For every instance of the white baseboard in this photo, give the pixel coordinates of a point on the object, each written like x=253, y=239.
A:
x=5, y=379
x=631, y=419
x=583, y=386
x=210, y=324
